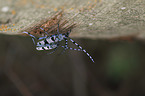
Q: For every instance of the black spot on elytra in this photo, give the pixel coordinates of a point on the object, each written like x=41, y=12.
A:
x=45, y=41
x=52, y=39
x=43, y=48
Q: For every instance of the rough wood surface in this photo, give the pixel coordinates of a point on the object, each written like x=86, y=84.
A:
x=95, y=18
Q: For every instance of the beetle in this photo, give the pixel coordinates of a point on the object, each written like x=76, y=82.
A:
x=48, y=42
